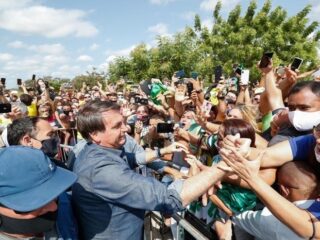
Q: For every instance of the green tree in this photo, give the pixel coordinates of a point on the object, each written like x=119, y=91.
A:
x=240, y=38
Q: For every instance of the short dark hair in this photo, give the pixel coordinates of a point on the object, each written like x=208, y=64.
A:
x=245, y=129
x=314, y=86
x=90, y=118
x=20, y=127
x=26, y=99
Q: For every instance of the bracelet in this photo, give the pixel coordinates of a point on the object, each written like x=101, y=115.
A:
x=158, y=153
x=313, y=226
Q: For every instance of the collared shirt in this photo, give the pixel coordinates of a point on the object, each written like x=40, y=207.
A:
x=111, y=198
x=264, y=225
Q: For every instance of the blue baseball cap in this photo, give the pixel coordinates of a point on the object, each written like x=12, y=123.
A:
x=29, y=180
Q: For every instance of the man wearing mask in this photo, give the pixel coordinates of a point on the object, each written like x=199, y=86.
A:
x=33, y=132
x=303, y=112
x=29, y=186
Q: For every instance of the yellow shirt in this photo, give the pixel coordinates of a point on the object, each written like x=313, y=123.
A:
x=32, y=110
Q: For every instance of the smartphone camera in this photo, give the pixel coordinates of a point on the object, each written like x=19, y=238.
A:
x=5, y=107
x=296, y=63
x=165, y=127
x=3, y=81
x=142, y=101
x=189, y=88
x=19, y=82
x=265, y=60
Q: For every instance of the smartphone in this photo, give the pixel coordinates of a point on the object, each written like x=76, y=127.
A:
x=19, y=81
x=165, y=127
x=146, y=86
x=33, y=77
x=5, y=107
x=265, y=59
x=238, y=71
x=281, y=70
x=206, y=108
x=244, y=80
x=180, y=74
x=296, y=63
x=144, y=101
x=217, y=73
x=194, y=75
x=178, y=159
x=3, y=81
x=189, y=88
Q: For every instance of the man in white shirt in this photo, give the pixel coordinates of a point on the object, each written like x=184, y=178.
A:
x=298, y=184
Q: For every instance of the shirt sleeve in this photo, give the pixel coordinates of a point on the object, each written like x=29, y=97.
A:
x=116, y=182
x=132, y=146
x=301, y=146
x=252, y=222
x=314, y=209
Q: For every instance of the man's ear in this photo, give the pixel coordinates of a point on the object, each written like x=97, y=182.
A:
x=95, y=137
x=284, y=191
x=26, y=141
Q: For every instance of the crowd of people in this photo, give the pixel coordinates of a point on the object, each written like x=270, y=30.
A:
x=243, y=158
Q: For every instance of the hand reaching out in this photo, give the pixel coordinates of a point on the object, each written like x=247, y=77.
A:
x=246, y=169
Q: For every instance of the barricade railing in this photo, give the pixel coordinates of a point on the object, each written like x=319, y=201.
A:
x=181, y=224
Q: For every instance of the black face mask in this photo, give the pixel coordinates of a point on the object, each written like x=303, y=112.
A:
x=50, y=146
x=40, y=224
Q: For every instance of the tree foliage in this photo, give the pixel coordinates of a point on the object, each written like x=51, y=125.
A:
x=240, y=38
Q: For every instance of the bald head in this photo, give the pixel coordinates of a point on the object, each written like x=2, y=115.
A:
x=299, y=176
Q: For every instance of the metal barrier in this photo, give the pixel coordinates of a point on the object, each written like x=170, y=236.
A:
x=181, y=223
x=64, y=149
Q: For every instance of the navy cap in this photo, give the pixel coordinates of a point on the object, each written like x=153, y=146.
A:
x=29, y=180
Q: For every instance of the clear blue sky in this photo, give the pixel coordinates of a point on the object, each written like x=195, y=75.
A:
x=63, y=38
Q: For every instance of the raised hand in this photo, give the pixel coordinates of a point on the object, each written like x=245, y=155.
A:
x=244, y=168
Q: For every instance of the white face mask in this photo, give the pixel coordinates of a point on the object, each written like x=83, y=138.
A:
x=304, y=121
x=317, y=153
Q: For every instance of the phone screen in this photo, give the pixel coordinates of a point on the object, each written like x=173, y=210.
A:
x=165, y=127
x=5, y=107
x=19, y=81
x=178, y=159
x=265, y=60
x=245, y=77
x=296, y=63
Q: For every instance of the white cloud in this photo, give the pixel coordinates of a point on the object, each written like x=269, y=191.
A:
x=94, y=46
x=112, y=55
x=55, y=48
x=161, y=2
x=188, y=15
x=5, y=57
x=16, y=44
x=8, y=4
x=84, y=58
x=315, y=12
x=207, y=23
x=48, y=22
x=209, y=5
x=159, y=29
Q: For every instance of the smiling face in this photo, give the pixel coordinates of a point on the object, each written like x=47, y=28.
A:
x=115, y=130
